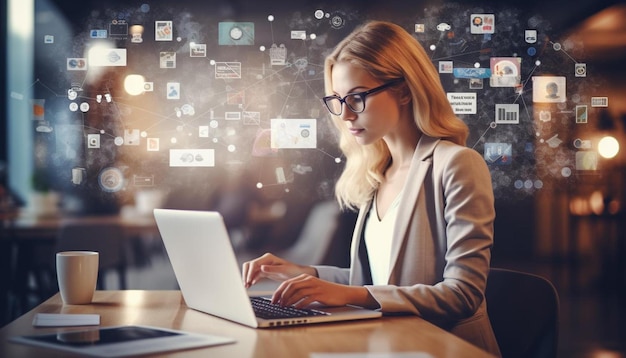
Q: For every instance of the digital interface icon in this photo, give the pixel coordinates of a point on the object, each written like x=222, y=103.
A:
x=111, y=179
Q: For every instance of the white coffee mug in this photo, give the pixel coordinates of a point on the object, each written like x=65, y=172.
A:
x=77, y=274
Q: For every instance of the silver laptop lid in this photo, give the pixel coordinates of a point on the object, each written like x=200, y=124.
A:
x=205, y=264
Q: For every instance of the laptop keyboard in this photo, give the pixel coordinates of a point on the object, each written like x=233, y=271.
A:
x=264, y=308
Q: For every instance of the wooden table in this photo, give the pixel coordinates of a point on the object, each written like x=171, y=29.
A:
x=167, y=309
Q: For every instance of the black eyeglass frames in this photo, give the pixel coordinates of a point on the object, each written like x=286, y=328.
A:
x=354, y=101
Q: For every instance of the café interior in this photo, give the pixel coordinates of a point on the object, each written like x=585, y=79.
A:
x=85, y=155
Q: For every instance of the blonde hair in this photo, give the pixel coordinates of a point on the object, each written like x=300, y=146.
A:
x=387, y=52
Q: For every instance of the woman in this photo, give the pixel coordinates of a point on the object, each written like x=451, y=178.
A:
x=423, y=237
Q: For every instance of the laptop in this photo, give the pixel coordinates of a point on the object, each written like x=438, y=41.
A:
x=209, y=277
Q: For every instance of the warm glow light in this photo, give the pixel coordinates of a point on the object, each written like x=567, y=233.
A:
x=579, y=206
x=134, y=84
x=608, y=147
x=596, y=202
x=613, y=207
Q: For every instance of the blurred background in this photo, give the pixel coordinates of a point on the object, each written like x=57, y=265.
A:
x=112, y=109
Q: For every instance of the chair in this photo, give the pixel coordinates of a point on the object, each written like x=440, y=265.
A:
x=524, y=312
x=106, y=238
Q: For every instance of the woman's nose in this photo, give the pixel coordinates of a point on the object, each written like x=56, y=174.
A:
x=347, y=114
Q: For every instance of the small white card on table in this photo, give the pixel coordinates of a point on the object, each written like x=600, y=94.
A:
x=64, y=319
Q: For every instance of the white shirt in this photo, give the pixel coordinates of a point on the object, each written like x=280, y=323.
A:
x=378, y=235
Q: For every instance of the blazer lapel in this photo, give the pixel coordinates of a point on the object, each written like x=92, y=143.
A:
x=357, y=263
x=420, y=164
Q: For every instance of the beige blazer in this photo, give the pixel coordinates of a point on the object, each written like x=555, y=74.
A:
x=441, y=247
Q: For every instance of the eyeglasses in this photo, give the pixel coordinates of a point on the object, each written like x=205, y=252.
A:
x=354, y=101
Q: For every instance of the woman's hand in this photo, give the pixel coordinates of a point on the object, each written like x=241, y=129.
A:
x=274, y=268
x=302, y=290
x=300, y=285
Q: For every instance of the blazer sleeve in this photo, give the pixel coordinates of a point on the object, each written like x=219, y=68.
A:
x=333, y=274
x=444, y=277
